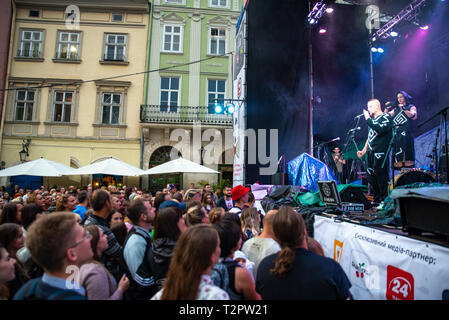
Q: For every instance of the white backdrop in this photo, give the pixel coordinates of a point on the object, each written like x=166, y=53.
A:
x=382, y=265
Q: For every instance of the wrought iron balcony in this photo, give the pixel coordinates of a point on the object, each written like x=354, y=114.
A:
x=183, y=115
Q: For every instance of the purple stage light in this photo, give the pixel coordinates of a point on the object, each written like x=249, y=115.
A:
x=322, y=30
x=426, y=27
x=330, y=10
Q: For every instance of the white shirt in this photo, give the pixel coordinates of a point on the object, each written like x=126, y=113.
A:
x=256, y=249
x=229, y=203
x=206, y=291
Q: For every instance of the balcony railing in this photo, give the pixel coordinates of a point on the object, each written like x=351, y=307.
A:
x=183, y=115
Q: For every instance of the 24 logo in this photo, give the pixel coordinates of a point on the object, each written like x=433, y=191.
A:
x=400, y=284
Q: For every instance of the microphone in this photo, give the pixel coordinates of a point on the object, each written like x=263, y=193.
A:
x=336, y=139
x=355, y=129
x=360, y=115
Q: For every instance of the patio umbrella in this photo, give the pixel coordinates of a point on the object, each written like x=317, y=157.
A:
x=40, y=167
x=111, y=167
x=179, y=165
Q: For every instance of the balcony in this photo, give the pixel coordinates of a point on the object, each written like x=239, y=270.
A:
x=183, y=115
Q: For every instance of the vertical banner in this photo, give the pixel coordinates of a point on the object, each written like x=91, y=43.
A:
x=239, y=116
x=383, y=265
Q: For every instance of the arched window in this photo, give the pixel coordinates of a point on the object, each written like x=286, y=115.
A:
x=160, y=181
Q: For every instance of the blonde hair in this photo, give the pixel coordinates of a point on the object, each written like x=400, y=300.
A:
x=250, y=221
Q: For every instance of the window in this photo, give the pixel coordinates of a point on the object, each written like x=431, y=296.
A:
x=172, y=38
x=30, y=44
x=62, y=106
x=217, y=41
x=68, y=46
x=169, y=94
x=34, y=13
x=24, y=105
x=110, y=108
x=117, y=17
x=175, y=1
x=215, y=90
x=115, y=47
x=219, y=3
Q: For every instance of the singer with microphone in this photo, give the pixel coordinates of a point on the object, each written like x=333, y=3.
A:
x=376, y=147
x=403, y=112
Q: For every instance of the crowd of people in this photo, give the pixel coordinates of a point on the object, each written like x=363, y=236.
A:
x=123, y=243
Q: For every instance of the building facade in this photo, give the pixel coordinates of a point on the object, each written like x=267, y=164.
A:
x=191, y=61
x=66, y=95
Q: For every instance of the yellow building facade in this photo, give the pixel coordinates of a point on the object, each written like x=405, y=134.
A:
x=66, y=93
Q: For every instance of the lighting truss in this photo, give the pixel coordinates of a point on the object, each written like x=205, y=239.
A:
x=316, y=13
x=408, y=13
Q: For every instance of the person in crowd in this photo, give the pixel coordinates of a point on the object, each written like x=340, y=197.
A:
x=30, y=213
x=295, y=272
x=11, y=238
x=196, y=214
x=11, y=213
x=137, y=254
x=207, y=201
x=47, y=200
x=95, y=278
x=315, y=246
x=241, y=284
x=101, y=205
x=57, y=243
x=115, y=202
x=226, y=201
x=208, y=188
x=83, y=204
x=115, y=217
x=251, y=201
x=36, y=197
x=264, y=244
x=216, y=214
x=168, y=226
x=171, y=190
x=188, y=278
x=177, y=197
x=240, y=197
x=66, y=203
x=160, y=198
x=7, y=272
x=6, y=197
x=120, y=231
x=128, y=192
x=250, y=222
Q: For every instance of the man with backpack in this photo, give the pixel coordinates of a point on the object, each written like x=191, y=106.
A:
x=60, y=246
x=137, y=253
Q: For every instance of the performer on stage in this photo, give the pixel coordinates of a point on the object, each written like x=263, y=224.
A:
x=402, y=113
x=379, y=136
x=339, y=164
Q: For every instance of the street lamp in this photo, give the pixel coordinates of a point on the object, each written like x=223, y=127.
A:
x=24, y=153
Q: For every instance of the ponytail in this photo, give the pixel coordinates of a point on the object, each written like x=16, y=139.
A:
x=284, y=261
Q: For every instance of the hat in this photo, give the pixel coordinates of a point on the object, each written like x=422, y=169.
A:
x=238, y=192
x=171, y=203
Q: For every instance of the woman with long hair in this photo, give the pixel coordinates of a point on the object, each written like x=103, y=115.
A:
x=66, y=203
x=403, y=112
x=7, y=272
x=188, y=278
x=95, y=278
x=11, y=238
x=295, y=272
x=207, y=201
x=250, y=222
x=11, y=213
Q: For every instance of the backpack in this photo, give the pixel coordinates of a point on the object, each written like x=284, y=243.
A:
x=222, y=277
x=29, y=292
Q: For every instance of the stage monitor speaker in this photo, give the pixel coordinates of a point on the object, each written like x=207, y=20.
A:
x=353, y=194
x=424, y=215
x=276, y=179
x=442, y=168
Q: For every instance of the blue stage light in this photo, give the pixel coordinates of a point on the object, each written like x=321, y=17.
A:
x=393, y=34
x=230, y=109
x=380, y=50
x=373, y=49
x=218, y=109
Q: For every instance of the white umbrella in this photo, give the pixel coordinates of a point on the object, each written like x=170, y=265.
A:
x=179, y=165
x=111, y=167
x=40, y=167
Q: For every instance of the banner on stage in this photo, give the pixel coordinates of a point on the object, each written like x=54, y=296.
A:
x=383, y=265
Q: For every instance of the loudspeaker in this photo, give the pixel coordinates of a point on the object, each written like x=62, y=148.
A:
x=276, y=179
x=442, y=168
x=354, y=194
x=426, y=215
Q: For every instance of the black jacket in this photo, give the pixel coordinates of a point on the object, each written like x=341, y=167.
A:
x=222, y=203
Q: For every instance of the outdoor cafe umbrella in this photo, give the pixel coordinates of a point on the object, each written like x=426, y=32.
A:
x=179, y=165
x=111, y=167
x=40, y=167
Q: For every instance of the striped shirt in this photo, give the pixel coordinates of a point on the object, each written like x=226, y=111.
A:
x=114, y=249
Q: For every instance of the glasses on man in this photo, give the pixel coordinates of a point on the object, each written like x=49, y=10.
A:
x=86, y=236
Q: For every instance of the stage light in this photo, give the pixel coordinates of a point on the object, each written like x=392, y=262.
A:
x=426, y=27
x=374, y=39
x=393, y=34
x=322, y=30
x=373, y=49
x=230, y=108
x=218, y=108
x=380, y=50
x=312, y=21
x=330, y=10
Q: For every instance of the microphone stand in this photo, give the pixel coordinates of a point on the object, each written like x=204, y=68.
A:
x=443, y=113
x=350, y=138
